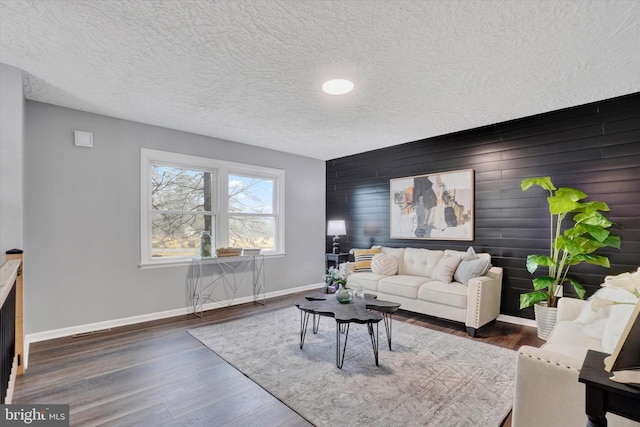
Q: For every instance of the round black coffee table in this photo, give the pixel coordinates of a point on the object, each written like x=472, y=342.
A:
x=367, y=310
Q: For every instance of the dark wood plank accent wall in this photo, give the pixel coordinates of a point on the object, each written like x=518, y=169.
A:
x=593, y=147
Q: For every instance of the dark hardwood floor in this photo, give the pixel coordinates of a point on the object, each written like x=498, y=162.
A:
x=156, y=374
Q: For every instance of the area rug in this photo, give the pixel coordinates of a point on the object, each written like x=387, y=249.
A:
x=429, y=378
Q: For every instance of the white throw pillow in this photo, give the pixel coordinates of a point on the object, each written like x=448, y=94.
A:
x=588, y=315
x=384, y=264
x=599, y=324
x=445, y=268
x=398, y=254
x=595, y=329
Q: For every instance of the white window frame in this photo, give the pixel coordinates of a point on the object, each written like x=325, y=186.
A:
x=220, y=182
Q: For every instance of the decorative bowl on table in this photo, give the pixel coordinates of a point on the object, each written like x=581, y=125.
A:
x=222, y=252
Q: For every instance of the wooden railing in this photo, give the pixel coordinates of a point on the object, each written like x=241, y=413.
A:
x=11, y=324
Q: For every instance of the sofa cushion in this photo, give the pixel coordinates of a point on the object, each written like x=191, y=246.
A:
x=363, y=258
x=567, y=338
x=364, y=280
x=446, y=267
x=453, y=294
x=589, y=315
x=398, y=254
x=402, y=285
x=420, y=262
x=384, y=264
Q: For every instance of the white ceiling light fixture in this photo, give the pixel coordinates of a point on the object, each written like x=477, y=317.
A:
x=337, y=86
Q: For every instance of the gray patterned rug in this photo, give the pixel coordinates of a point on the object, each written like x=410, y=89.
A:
x=429, y=379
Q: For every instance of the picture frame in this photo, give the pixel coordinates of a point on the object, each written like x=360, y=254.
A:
x=433, y=206
x=626, y=355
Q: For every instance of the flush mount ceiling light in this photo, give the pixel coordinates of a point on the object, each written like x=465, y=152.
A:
x=337, y=86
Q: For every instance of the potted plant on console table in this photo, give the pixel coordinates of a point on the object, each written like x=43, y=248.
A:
x=575, y=245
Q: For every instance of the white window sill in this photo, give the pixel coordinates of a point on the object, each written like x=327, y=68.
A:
x=181, y=262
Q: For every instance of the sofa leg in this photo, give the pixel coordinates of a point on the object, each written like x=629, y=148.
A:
x=471, y=331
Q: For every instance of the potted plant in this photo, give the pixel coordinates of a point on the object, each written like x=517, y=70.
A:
x=567, y=247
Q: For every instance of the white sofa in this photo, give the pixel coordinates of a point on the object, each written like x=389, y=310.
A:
x=413, y=285
x=547, y=391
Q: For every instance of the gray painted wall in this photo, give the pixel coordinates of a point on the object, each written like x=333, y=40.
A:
x=11, y=158
x=82, y=218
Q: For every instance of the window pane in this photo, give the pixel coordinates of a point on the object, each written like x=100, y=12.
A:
x=252, y=232
x=180, y=189
x=250, y=195
x=178, y=235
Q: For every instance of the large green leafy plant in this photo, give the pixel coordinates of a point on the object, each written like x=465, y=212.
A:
x=570, y=247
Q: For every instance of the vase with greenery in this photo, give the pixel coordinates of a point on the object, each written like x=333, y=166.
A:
x=333, y=279
x=336, y=282
x=569, y=245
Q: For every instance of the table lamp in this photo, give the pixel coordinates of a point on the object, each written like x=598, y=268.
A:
x=336, y=228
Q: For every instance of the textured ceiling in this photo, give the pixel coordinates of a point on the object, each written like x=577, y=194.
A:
x=250, y=71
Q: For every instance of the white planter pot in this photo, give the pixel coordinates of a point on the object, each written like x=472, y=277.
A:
x=545, y=319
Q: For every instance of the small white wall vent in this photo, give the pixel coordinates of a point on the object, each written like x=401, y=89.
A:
x=83, y=139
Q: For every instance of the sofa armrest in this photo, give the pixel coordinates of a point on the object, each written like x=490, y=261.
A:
x=569, y=308
x=483, y=299
x=547, y=391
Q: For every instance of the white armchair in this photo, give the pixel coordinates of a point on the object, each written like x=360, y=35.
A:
x=547, y=391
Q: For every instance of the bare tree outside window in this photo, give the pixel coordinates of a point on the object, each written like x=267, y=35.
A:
x=251, y=212
x=181, y=205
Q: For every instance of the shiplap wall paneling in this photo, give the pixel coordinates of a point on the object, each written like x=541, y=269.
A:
x=594, y=147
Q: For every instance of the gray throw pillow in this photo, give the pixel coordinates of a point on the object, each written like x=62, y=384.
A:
x=470, y=254
x=471, y=266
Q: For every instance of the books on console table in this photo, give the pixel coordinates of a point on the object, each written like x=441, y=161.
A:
x=251, y=251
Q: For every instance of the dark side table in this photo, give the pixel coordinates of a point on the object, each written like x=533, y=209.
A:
x=334, y=260
x=604, y=395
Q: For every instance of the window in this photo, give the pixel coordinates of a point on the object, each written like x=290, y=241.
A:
x=182, y=196
x=252, y=219
x=180, y=210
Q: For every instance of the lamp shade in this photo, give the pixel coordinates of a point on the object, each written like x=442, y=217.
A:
x=336, y=228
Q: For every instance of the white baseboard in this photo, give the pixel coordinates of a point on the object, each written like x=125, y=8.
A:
x=108, y=324
x=516, y=320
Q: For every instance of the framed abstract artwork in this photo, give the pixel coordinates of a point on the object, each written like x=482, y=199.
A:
x=437, y=206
